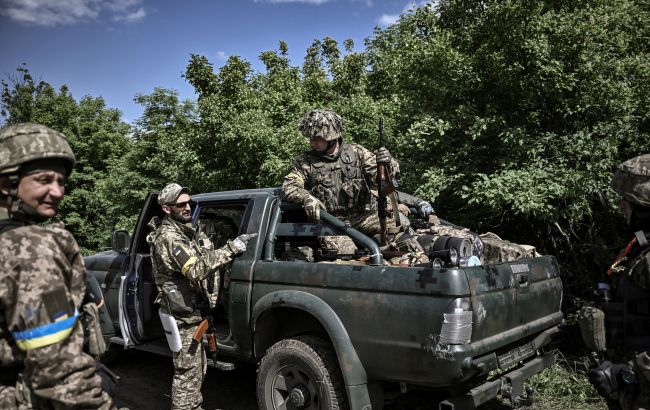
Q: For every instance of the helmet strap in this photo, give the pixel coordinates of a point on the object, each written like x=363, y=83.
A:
x=640, y=219
x=331, y=144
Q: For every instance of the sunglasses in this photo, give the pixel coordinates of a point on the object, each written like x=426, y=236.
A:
x=181, y=205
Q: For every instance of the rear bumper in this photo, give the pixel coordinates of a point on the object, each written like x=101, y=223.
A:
x=509, y=385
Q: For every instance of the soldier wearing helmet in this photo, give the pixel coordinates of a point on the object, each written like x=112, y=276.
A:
x=625, y=376
x=334, y=175
x=182, y=264
x=42, y=280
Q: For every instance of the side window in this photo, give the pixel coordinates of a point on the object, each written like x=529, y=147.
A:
x=220, y=222
x=298, y=240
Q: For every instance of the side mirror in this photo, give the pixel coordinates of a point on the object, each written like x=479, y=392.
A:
x=120, y=241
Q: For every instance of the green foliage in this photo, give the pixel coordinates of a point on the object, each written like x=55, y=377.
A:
x=511, y=115
x=96, y=134
x=565, y=386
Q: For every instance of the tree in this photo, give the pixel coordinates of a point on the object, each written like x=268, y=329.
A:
x=96, y=135
x=514, y=114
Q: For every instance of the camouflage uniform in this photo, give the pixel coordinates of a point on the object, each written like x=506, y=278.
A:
x=627, y=314
x=42, y=284
x=181, y=268
x=342, y=182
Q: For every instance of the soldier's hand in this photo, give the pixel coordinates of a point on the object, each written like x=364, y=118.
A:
x=238, y=245
x=312, y=207
x=425, y=209
x=404, y=209
x=383, y=156
x=605, y=377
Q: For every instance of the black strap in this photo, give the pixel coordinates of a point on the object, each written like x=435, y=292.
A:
x=9, y=374
x=8, y=224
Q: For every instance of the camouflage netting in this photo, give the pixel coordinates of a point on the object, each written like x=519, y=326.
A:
x=321, y=123
x=632, y=180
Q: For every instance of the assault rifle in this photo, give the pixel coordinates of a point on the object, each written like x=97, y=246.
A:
x=207, y=328
x=385, y=186
x=381, y=183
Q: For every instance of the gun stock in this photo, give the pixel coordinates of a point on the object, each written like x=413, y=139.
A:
x=198, y=335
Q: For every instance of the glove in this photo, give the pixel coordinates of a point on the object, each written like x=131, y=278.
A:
x=425, y=209
x=312, y=207
x=404, y=209
x=383, y=156
x=238, y=245
x=606, y=378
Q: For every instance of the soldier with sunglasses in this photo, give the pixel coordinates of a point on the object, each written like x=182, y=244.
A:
x=182, y=263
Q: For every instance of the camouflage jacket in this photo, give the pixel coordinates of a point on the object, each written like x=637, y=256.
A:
x=640, y=269
x=184, y=267
x=637, y=333
x=42, y=284
x=343, y=182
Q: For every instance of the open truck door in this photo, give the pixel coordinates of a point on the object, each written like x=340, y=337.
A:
x=138, y=314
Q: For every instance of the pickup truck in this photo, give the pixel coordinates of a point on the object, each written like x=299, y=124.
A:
x=348, y=334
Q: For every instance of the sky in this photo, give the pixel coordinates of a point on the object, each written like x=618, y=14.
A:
x=117, y=49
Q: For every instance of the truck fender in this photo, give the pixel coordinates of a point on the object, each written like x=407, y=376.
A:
x=353, y=372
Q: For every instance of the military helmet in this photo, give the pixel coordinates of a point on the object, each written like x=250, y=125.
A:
x=632, y=180
x=321, y=123
x=170, y=193
x=22, y=143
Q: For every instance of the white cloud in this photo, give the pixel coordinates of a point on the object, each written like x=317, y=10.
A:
x=59, y=12
x=221, y=56
x=131, y=17
x=387, y=19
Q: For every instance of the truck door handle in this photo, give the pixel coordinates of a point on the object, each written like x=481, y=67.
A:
x=522, y=279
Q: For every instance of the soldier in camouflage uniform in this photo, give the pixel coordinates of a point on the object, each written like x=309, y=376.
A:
x=42, y=280
x=182, y=263
x=626, y=378
x=336, y=176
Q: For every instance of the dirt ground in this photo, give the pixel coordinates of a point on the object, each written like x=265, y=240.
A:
x=145, y=384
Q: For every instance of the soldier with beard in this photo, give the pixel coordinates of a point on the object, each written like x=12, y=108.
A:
x=181, y=264
x=42, y=280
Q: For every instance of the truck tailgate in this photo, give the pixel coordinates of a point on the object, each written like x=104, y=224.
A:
x=513, y=300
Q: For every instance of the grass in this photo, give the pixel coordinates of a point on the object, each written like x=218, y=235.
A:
x=560, y=387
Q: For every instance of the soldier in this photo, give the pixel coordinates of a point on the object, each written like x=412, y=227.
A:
x=42, y=280
x=336, y=176
x=181, y=265
x=626, y=378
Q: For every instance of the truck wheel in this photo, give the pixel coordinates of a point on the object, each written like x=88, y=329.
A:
x=300, y=373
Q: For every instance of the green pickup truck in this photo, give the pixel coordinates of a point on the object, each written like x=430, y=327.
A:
x=344, y=333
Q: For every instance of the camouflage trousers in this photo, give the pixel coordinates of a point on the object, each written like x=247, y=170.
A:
x=189, y=372
x=8, y=397
x=368, y=222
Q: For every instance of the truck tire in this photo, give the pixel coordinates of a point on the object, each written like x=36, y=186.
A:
x=300, y=373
